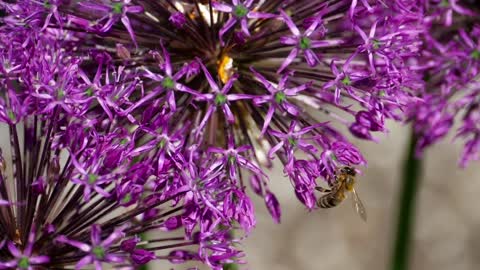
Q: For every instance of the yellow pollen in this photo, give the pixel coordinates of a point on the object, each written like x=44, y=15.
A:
x=225, y=68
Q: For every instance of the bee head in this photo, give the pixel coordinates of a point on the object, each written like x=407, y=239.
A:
x=348, y=171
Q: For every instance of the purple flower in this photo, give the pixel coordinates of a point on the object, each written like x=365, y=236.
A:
x=235, y=161
x=219, y=98
x=449, y=64
x=24, y=259
x=347, y=154
x=39, y=185
x=302, y=42
x=446, y=8
x=141, y=256
x=277, y=97
x=292, y=140
x=129, y=244
x=344, y=79
x=91, y=180
x=168, y=83
x=178, y=19
x=470, y=131
x=114, y=12
x=240, y=12
x=273, y=206
x=98, y=249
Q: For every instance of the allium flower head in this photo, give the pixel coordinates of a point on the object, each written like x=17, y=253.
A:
x=450, y=65
x=127, y=117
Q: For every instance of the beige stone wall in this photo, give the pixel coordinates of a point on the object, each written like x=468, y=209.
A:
x=447, y=235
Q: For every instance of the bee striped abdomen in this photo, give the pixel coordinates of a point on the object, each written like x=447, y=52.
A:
x=328, y=201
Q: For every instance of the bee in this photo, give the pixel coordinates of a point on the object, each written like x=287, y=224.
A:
x=17, y=239
x=225, y=68
x=344, y=182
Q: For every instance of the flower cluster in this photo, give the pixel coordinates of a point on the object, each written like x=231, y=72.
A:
x=450, y=66
x=127, y=117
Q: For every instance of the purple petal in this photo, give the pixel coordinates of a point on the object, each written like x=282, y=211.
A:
x=467, y=39
x=283, y=80
x=113, y=237
x=173, y=223
x=39, y=259
x=102, y=192
x=289, y=40
x=161, y=161
x=244, y=25
x=129, y=244
x=8, y=265
x=255, y=183
x=291, y=25
x=134, y=9
x=322, y=44
x=126, y=23
x=295, y=90
x=260, y=15
x=262, y=79
x=229, y=24
x=273, y=206
x=209, y=112
x=268, y=118
x=228, y=113
x=98, y=265
x=288, y=60
x=14, y=250
x=210, y=80
x=183, y=88
x=311, y=58
x=312, y=27
x=108, y=25
x=114, y=258
x=222, y=7
x=373, y=30
x=171, y=100
x=215, y=150
x=82, y=246
x=460, y=9
x=290, y=108
x=274, y=149
x=168, y=64
x=247, y=164
x=233, y=97
x=95, y=234
x=153, y=76
x=94, y=7
x=226, y=88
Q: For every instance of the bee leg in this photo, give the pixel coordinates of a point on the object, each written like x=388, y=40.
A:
x=324, y=190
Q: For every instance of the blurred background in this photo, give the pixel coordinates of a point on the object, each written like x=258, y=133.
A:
x=446, y=235
x=447, y=217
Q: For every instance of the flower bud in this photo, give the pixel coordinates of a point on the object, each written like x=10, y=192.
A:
x=273, y=206
x=141, y=256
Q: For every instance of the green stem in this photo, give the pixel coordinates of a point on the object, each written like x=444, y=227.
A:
x=406, y=215
x=231, y=266
x=143, y=237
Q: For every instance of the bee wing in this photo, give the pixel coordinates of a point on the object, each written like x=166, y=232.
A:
x=358, y=206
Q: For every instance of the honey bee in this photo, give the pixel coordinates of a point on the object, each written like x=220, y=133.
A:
x=17, y=239
x=225, y=68
x=344, y=182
